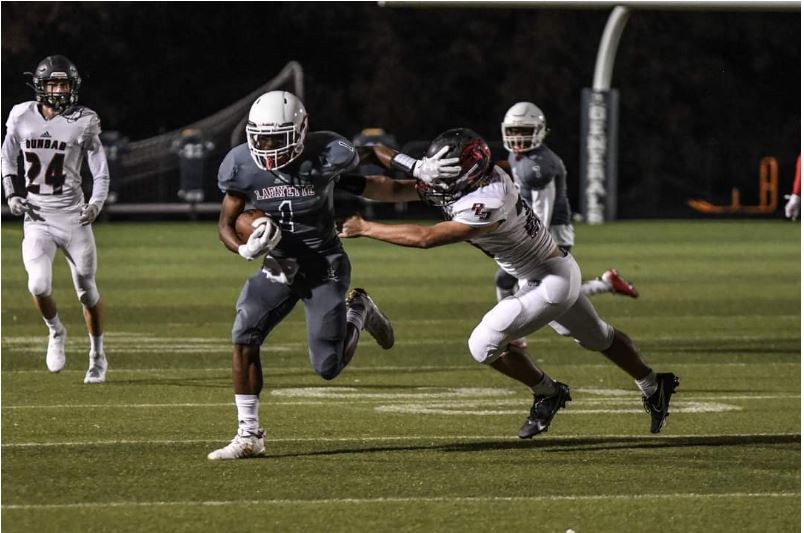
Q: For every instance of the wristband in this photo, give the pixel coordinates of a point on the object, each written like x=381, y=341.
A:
x=8, y=186
x=404, y=163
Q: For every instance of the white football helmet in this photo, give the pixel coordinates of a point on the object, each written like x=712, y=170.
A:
x=276, y=128
x=523, y=127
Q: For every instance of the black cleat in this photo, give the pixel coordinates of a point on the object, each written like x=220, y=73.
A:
x=375, y=322
x=658, y=405
x=543, y=410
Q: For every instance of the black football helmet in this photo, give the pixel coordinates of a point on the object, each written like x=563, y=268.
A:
x=55, y=68
x=474, y=158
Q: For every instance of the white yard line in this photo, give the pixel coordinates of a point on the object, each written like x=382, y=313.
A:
x=481, y=398
x=411, y=368
x=407, y=500
x=392, y=438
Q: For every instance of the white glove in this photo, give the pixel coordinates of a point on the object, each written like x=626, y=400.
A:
x=791, y=210
x=429, y=169
x=18, y=205
x=89, y=213
x=265, y=237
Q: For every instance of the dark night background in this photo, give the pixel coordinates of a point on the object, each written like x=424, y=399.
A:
x=703, y=95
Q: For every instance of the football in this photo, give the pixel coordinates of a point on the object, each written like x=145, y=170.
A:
x=243, y=227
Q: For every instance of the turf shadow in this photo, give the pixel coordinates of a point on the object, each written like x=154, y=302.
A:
x=565, y=444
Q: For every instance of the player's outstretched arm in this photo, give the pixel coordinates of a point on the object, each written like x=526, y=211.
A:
x=385, y=189
x=412, y=235
x=426, y=169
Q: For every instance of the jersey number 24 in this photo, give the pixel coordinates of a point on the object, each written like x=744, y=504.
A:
x=53, y=176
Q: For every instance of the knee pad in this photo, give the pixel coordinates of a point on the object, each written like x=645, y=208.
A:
x=39, y=285
x=504, y=280
x=40, y=275
x=490, y=338
x=87, y=292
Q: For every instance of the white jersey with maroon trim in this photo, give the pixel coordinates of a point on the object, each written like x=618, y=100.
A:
x=53, y=151
x=521, y=243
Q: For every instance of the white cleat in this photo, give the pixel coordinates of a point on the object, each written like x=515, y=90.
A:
x=244, y=445
x=97, y=368
x=56, y=359
x=376, y=323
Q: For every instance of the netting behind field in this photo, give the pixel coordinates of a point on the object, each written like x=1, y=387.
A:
x=146, y=162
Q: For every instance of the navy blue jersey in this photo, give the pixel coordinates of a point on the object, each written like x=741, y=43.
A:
x=299, y=196
x=534, y=171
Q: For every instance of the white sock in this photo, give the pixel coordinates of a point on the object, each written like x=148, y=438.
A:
x=648, y=384
x=545, y=387
x=356, y=318
x=53, y=324
x=248, y=407
x=96, y=343
x=595, y=286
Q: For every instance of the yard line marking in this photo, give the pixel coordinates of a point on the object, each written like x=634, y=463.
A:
x=452, y=409
x=435, y=368
x=419, y=392
x=459, y=397
x=390, y=438
x=410, y=499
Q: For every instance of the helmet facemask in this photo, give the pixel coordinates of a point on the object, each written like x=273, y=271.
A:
x=273, y=147
x=522, y=138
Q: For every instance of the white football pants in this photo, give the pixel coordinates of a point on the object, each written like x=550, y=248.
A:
x=552, y=297
x=60, y=231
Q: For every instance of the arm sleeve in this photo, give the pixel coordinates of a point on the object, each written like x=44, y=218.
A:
x=796, y=181
x=96, y=159
x=11, y=150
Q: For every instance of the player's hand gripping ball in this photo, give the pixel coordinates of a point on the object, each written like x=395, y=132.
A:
x=244, y=224
x=260, y=233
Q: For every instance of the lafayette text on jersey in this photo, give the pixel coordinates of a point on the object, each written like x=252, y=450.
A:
x=535, y=172
x=53, y=151
x=299, y=196
x=521, y=243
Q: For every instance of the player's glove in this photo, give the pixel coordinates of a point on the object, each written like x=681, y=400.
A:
x=428, y=169
x=17, y=205
x=265, y=237
x=89, y=213
x=792, y=209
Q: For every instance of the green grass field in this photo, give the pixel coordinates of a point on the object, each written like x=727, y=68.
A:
x=418, y=438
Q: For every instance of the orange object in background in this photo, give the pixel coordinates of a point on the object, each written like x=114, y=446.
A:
x=768, y=195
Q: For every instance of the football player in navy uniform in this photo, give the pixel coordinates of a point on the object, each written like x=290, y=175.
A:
x=481, y=205
x=290, y=174
x=54, y=135
x=541, y=178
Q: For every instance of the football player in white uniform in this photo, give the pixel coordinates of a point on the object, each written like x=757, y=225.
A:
x=54, y=134
x=541, y=178
x=483, y=207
